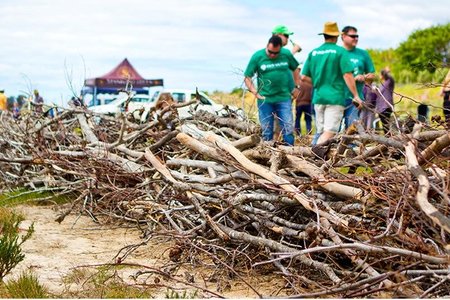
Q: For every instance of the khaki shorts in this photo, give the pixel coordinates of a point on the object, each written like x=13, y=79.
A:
x=328, y=117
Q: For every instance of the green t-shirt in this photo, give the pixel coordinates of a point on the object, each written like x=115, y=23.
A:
x=326, y=66
x=274, y=75
x=362, y=64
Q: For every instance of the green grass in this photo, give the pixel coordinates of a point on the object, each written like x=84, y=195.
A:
x=408, y=97
x=358, y=171
x=26, y=286
x=172, y=294
x=102, y=282
x=22, y=196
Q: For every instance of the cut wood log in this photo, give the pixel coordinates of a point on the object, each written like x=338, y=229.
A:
x=424, y=186
x=279, y=181
x=340, y=190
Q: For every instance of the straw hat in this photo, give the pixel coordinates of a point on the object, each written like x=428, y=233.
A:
x=331, y=28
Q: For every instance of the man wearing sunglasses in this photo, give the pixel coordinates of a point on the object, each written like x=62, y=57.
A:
x=274, y=67
x=284, y=33
x=363, y=72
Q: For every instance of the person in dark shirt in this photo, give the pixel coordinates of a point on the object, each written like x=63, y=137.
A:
x=38, y=102
x=303, y=106
x=445, y=93
x=385, y=99
x=367, y=115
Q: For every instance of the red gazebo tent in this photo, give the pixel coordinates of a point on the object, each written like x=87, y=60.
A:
x=122, y=76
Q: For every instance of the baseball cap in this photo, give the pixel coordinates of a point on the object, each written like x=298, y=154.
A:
x=281, y=29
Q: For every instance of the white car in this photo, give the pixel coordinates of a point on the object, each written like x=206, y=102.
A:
x=116, y=106
x=139, y=101
x=205, y=103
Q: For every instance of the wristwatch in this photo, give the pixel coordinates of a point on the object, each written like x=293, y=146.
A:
x=297, y=86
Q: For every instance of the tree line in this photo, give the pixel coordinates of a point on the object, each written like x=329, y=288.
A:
x=423, y=58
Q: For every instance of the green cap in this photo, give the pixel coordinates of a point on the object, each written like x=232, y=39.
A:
x=281, y=29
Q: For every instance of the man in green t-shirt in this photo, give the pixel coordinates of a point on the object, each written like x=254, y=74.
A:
x=284, y=33
x=363, y=71
x=329, y=69
x=273, y=92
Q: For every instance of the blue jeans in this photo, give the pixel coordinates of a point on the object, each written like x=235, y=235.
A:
x=283, y=112
x=315, y=138
x=300, y=109
x=351, y=113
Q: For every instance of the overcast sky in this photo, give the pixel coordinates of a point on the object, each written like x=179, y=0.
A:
x=53, y=45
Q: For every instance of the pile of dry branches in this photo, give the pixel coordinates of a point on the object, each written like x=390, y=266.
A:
x=254, y=206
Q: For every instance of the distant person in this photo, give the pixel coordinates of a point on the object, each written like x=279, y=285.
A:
x=76, y=102
x=284, y=33
x=3, y=102
x=363, y=71
x=422, y=108
x=445, y=92
x=385, y=99
x=303, y=107
x=16, y=110
x=422, y=113
x=38, y=102
x=273, y=92
x=329, y=69
x=367, y=115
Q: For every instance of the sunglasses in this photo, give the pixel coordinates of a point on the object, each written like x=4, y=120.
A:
x=353, y=36
x=286, y=35
x=273, y=52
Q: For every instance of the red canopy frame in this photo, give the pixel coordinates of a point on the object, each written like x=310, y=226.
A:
x=122, y=76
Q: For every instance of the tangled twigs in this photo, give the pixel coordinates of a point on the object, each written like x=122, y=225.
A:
x=257, y=208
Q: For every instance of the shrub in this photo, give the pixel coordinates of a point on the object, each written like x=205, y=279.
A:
x=406, y=76
x=424, y=76
x=237, y=91
x=439, y=75
x=26, y=286
x=11, y=240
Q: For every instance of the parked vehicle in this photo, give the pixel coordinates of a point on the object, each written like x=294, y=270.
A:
x=205, y=103
x=116, y=106
x=139, y=101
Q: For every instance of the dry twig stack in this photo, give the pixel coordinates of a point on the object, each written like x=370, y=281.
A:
x=253, y=206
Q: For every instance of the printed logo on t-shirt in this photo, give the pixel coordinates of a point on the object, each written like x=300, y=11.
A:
x=279, y=65
x=355, y=62
x=323, y=52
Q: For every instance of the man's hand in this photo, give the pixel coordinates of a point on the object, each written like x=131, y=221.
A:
x=360, y=78
x=358, y=103
x=258, y=96
x=295, y=92
x=295, y=47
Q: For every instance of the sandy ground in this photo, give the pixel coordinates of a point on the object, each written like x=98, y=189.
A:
x=55, y=250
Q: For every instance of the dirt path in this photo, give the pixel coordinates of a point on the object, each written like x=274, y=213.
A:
x=56, y=249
